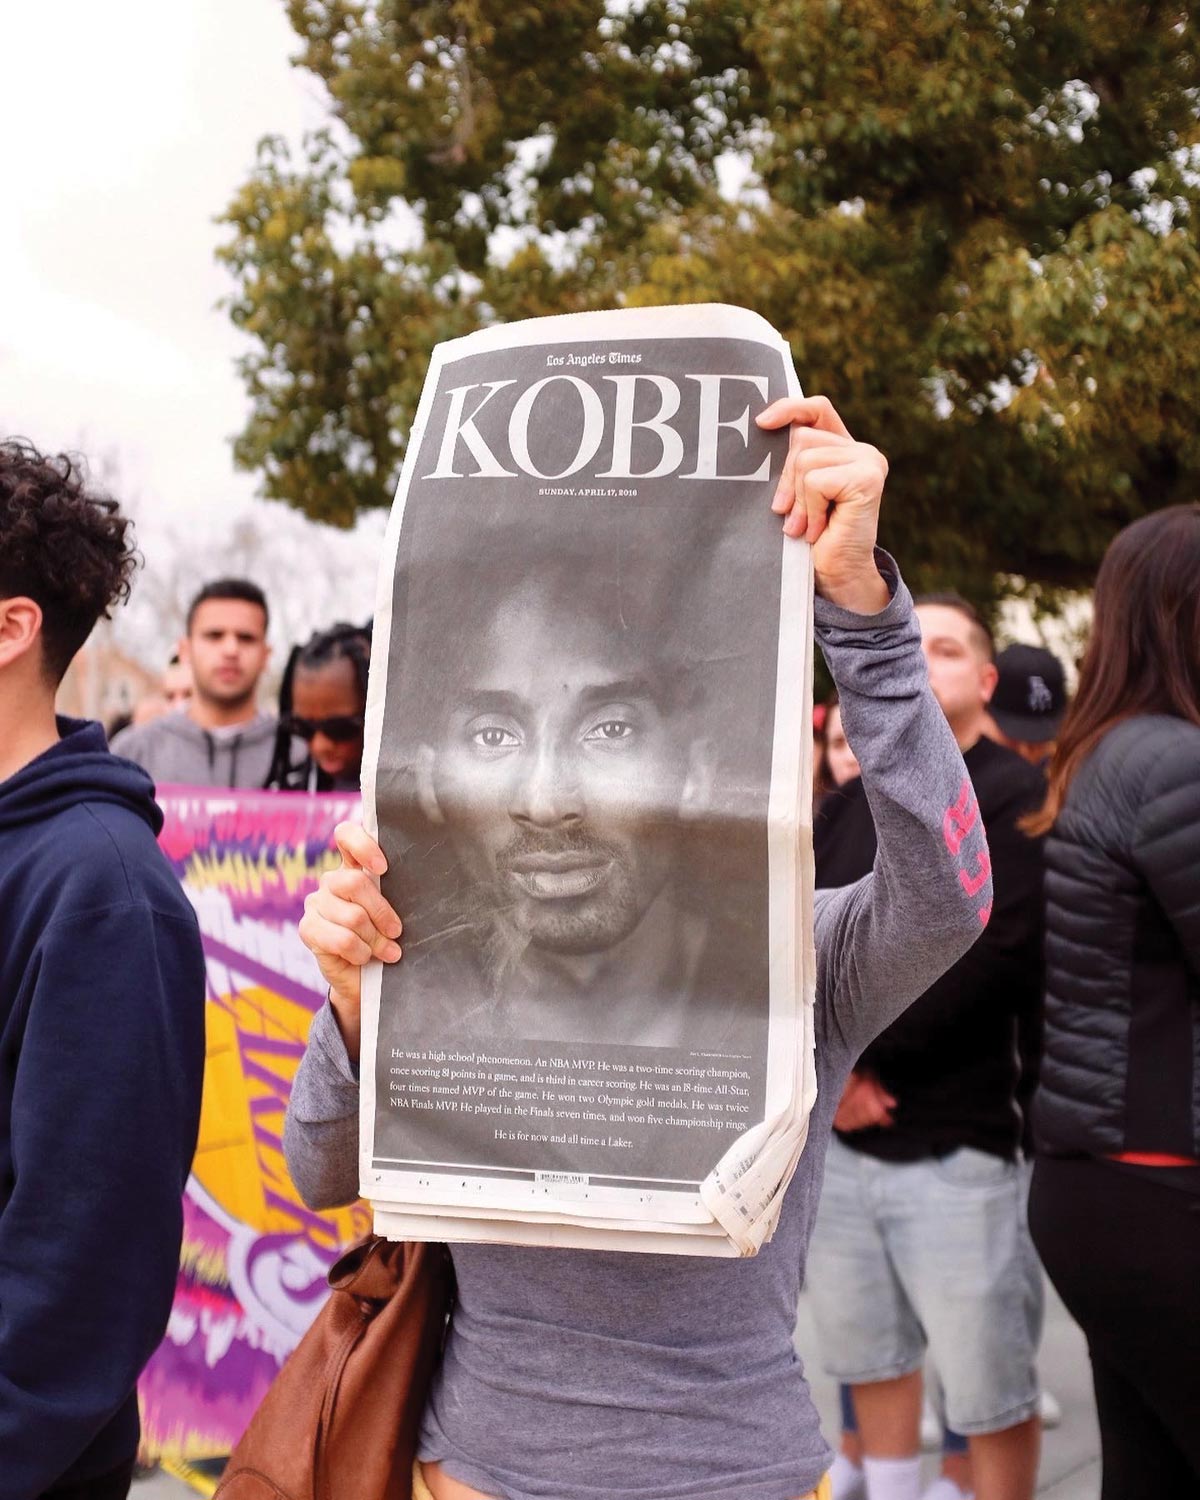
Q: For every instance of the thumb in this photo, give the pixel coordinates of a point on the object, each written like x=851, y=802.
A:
x=358, y=849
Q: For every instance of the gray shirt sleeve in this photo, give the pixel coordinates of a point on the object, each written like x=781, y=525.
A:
x=880, y=943
x=320, y=1132
x=883, y=941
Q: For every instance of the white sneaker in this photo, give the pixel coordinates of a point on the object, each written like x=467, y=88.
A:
x=847, y=1481
x=946, y=1489
x=1049, y=1410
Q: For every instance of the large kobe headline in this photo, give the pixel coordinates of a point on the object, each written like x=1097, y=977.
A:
x=700, y=423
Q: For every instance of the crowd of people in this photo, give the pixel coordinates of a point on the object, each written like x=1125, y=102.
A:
x=1008, y=936
x=206, y=727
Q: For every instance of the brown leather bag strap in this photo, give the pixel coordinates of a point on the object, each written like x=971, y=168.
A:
x=322, y=1474
x=373, y=1270
x=351, y=1263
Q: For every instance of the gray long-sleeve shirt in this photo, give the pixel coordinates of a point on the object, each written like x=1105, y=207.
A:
x=175, y=749
x=579, y=1375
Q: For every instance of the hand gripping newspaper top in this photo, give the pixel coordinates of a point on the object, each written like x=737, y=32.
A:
x=589, y=765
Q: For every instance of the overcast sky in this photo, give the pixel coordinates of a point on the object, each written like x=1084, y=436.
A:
x=124, y=129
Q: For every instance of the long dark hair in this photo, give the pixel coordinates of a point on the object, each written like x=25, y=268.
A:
x=341, y=642
x=1144, y=653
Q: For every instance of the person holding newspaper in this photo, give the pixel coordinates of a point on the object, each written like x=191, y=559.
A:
x=580, y=1374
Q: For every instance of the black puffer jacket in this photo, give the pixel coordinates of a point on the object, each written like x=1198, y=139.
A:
x=1121, y=1070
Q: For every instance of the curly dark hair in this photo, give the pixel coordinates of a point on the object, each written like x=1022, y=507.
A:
x=62, y=545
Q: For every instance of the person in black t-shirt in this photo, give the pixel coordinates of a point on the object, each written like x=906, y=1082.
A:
x=843, y=829
x=921, y=1240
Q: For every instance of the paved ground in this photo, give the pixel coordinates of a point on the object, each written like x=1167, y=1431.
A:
x=1070, y=1464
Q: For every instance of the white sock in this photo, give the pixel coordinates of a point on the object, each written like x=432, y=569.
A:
x=944, y=1488
x=846, y=1479
x=893, y=1478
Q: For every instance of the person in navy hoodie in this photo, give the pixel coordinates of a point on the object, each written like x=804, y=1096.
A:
x=101, y=1017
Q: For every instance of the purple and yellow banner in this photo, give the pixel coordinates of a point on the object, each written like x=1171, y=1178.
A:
x=252, y=1272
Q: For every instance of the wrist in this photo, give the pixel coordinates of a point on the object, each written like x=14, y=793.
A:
x=863, y=591
x=349, y=1023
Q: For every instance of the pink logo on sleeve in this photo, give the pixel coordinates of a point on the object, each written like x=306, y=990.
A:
x=960, y=818
x=973, y=884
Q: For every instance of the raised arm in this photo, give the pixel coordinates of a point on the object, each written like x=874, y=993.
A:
x=881, y=942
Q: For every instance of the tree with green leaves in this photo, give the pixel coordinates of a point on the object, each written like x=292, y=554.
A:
x=976, y=222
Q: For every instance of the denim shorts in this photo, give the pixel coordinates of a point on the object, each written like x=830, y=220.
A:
x=930, y=1256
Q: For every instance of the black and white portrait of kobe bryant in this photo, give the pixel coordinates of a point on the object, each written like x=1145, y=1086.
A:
x=571, y=871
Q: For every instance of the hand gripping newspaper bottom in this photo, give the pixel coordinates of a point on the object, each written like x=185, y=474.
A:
x=589, y=766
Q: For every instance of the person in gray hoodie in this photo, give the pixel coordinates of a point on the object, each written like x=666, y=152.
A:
x=220, y=739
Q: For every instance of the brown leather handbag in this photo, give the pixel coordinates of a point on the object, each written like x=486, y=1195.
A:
x=340, y=1419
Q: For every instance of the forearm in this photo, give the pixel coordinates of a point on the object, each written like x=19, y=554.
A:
x=320, y=1134
x=883, y=941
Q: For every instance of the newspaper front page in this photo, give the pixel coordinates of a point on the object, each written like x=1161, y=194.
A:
x=589, y=766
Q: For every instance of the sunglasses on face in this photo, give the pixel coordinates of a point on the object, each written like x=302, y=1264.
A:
x=341, y=727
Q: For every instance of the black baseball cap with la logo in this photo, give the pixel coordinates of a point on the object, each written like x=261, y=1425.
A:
x=1031, y=694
